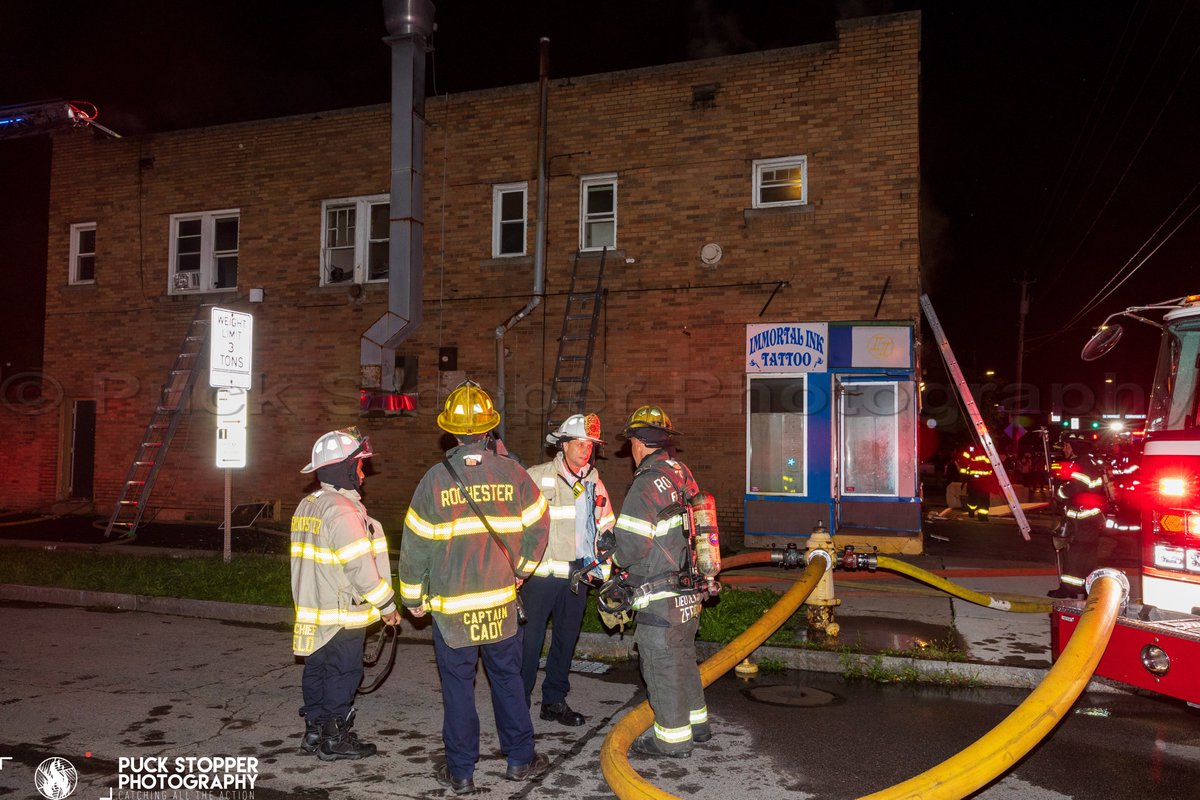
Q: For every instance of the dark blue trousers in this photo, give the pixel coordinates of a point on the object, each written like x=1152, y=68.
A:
x=546, y=599
x=331, y=675
x=460, y=720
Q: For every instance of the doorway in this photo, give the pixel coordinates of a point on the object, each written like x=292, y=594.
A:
x=82, y=450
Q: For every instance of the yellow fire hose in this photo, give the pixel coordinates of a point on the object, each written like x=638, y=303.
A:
x=1000, y=604
x=622, y=778
x=1003, y=746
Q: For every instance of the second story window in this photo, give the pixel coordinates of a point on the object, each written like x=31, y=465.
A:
x=781, y=181
x=204, y=252
x=83, y=253
x=598, y=212
x=509, y=203
x=355, y=234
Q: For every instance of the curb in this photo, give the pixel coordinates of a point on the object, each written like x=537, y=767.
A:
x=614, y=647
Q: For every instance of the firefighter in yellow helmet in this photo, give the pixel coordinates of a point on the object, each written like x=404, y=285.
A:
x=341, y=583
x=476, y=528
x=651, y=545
x=579, y=512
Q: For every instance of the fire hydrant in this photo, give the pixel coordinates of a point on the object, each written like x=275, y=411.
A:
x=818, y=608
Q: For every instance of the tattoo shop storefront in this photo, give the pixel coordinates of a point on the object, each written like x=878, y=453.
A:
x=831, y=434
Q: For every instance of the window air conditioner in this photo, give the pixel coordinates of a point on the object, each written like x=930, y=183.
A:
x=187, y=281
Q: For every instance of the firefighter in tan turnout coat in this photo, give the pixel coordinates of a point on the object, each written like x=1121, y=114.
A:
x=340, y=585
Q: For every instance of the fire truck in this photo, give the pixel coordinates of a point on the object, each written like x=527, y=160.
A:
x=1156, y=642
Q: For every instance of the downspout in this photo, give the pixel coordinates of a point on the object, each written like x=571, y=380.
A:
x=539, y=236
x=409, y=24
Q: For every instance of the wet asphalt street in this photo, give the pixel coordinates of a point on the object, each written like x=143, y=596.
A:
x=98, y=687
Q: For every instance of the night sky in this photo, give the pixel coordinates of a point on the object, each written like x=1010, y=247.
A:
x=1058, y=138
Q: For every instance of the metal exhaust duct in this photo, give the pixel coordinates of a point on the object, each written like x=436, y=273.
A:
x=410, y=25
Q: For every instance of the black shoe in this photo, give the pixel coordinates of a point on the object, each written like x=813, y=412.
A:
x=458, y=786
x=312, y=737
x=562, y=713
x=701, y=733
x=648, y=745
x=527, y=772
x=338, y=741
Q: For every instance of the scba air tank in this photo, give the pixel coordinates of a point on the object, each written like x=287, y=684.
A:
x=708, y=539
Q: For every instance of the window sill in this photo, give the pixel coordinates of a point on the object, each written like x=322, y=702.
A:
x=781, y=215
x=212, y=294
x=505, y=263
x=81, y=286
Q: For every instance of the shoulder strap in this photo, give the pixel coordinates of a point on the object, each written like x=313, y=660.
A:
x=482, y=517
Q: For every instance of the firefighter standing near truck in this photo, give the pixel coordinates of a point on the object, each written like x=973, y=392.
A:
x=978, y=479
x=476, y=528
x=652, y=546
x=341, y=583
x=1081, y=495
x=579, y=512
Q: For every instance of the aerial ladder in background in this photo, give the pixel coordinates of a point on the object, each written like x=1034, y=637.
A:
x=577, y=344
x=32, y=119
x=981, y=430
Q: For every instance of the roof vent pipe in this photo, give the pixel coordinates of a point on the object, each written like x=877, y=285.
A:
x=539, y=236
x=409, y=24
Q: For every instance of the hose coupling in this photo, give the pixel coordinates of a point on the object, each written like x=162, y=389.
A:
x=813, y=554
x=789, y=557
x=850, y=560
x=1109, y=572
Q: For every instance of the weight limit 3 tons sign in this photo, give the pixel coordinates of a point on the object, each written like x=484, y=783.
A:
x=229, y=351
x=229, y=373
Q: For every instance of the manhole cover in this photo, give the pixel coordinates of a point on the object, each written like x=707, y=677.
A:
x=791, y=696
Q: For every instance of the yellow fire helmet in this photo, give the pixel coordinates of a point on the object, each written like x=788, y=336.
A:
x=469, y=410
x=648, y=417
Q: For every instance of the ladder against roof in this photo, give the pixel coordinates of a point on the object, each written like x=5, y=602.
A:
x=576, y=345
x=168, y=411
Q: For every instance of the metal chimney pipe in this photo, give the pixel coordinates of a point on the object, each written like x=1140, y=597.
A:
x=409, y=24
x=539, y=235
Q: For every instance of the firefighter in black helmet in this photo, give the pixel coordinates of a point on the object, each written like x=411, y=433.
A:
x=651, y=544
x=1081, y=494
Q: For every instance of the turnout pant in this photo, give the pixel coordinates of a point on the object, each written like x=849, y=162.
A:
x=460, y=720
x=547, y=599
x=331, y=676
x=668, y=661
x=1081, y=557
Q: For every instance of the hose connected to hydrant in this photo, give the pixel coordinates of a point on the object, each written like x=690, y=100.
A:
x=622, y=778
x=1003, y=746
x=971, y=596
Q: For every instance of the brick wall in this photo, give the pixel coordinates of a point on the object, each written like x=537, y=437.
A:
x=672, y=332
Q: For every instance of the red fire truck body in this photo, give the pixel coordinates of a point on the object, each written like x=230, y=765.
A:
x=1156, y=643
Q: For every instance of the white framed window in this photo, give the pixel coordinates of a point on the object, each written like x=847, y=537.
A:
x=781, y=181
x=509, y=213
x=355, y=235
x=777, y=435
x=598, y=211
x=83, y=253
x=204, y=252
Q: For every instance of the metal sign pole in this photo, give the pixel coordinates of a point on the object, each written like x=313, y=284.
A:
x=981, y=430
x=228, y=516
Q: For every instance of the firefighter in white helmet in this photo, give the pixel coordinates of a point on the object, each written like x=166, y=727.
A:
x=341, y=583
x=579, y=511
x=475, y=529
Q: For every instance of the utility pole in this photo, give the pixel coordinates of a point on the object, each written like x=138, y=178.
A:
x=1018, y=401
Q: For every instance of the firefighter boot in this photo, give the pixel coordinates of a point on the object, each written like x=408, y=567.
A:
x=702, y=732
x=312, y=737
x=648, y=745
x=338, y=741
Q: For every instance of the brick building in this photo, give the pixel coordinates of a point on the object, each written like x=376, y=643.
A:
x=760, y=188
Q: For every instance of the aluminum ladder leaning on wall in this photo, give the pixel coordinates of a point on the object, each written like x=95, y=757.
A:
x=576, y=345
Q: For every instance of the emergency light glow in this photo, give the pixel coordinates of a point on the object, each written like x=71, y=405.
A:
x=1171, y=487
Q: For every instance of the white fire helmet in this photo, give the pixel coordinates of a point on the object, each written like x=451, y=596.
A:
x=576, y=426
x=337, y=446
